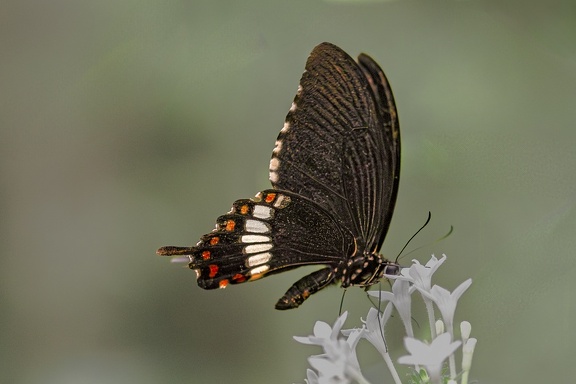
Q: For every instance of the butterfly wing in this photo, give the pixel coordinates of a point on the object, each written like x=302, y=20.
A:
x=340, y=144
x=276, y=231
x=390, y=146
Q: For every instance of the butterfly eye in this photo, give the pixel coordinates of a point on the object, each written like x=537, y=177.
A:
x=392, y=269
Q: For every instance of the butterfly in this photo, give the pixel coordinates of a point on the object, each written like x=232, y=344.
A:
x=334, y=171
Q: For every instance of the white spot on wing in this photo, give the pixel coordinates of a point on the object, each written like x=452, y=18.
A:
x=259, y=270
x=181, y=259
x=256, y=248
x=278, y=147
x=255, y=239
x=274, y=164
x=257, y=226
x=286, y=126
x=262, y=212
x=273, y=177
x=293, y=107
x=261, y=258
x=282, y=201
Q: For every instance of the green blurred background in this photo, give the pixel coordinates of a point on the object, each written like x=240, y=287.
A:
x=128, y=125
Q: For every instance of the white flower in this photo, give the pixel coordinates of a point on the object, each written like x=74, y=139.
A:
x=465, y=330
x=374, y=330
x=467, y=353
x=439, y=327
x=446, y=301
x=421, y=275
x=421, y=278
x=401, y=298
x=338, y=364
x=323, y=333
x=311, y=377
x=430, y=356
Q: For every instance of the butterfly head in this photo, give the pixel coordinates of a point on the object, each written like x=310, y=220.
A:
x=391, y=267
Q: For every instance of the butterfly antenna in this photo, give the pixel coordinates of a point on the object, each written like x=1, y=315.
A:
x=414, y=235
x=435, y=241
x=446, y=235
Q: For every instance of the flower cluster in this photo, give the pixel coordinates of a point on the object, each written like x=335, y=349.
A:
x=339, y=364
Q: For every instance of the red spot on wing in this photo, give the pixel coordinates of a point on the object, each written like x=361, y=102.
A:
x=223, y=283
x=270, y=197
x=213, y=271
x=239, y=278
x=206, y=255
x=215, y=240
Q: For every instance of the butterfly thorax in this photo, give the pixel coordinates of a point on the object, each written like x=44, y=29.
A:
x=365, y=270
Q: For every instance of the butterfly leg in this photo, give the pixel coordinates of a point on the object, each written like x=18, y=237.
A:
x=306, y=286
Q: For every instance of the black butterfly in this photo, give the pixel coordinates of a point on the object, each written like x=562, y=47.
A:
x=334, y=171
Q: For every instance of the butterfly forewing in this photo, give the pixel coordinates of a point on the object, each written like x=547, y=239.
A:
x=336, y=147
x=390, y=177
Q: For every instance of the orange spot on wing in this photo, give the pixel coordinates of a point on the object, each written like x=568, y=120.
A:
x=215, y=240
x=230, y=224
x=270, y=197
x=223, y=283
x=213, y=271
x=244, y=209
x=206, y=255
x=256, y=277
x=239, y=278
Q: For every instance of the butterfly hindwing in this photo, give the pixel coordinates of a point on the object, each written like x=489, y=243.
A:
x=274, y=232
